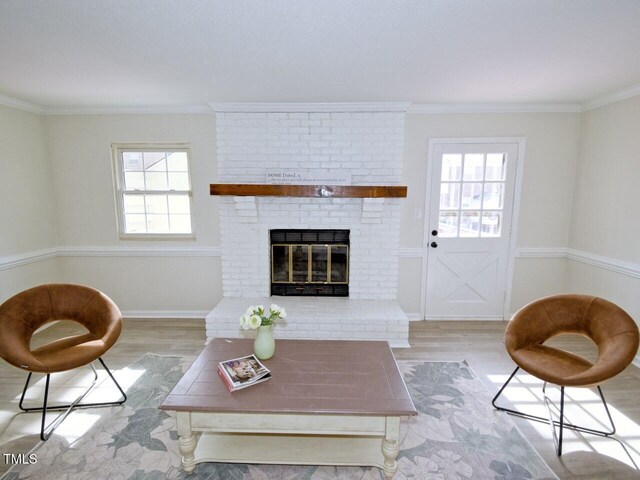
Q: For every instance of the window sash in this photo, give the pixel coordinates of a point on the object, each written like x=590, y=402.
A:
x=147, y=219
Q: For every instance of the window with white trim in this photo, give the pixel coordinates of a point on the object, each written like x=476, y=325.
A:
x=153, y=190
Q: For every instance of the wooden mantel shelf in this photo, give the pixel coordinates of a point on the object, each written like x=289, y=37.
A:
x=322, y=191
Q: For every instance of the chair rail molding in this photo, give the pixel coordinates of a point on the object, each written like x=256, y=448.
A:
x=27, y=258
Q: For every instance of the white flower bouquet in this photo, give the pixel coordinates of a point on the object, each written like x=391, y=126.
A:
x=255, y=316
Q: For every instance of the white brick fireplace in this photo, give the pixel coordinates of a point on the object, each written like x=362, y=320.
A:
x=368, y=145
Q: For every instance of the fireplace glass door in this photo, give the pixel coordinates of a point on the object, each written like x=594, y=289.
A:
x=318, y=267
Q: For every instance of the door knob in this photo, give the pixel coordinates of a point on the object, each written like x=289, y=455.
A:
x=434, y=245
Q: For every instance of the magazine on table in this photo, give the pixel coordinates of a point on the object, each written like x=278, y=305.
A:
x=242, y=372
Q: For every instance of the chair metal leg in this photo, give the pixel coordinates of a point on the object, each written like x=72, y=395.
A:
x=555, y=423
x=47, y=430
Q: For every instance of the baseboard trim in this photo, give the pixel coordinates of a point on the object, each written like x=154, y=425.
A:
x=458, y=318
x=163, y=314
x=414, y=317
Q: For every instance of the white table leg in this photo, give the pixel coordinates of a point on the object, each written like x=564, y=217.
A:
x=187, y=441
x=390, y=446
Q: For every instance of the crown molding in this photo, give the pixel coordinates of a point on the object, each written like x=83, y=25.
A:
x=131, y=110
x=617, y=96
x=310, y=107
x=444, y=108
x=21, y=104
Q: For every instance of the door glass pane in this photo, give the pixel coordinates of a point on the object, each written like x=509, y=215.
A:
x=473, y=166
x=470, y=224
x=471, y=195
x=493, y=195
x=449, y=196
x=496, y=166
x=280, y=263
x=491, y=224
x=451, y=167
x=448, y=224
x=339, y=263
x=319, y=260
x=300, y=263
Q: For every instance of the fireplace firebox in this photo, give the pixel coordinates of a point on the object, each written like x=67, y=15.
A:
x=310, y=262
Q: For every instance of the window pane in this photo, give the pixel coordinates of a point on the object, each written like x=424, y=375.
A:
x=179, y=204
x=471, y=195
x=135, y=223
x=451, y=167
x=177, y=162
x=449, y=196
x=132, y=161
x=493, y=195
x=133, y=203
x=473, y=166
x=496, y=166
x=134, y=181
x=179, y=181
x=448, y=224
x=156, y=180
x=159, y=166
x=156, y=203
x=491, y=224
x=153, y=158
x=157, y=224
x=470, y=224
x=180, y=223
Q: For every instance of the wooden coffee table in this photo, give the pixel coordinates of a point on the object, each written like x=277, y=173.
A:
x=328, y=403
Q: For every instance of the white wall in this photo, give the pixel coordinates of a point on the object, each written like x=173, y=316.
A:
x=170, y=277
x=27, y=222
x=597, y=149
x=551, y=152
x=605, y=223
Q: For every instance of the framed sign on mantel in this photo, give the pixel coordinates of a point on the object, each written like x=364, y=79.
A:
x=307, y=177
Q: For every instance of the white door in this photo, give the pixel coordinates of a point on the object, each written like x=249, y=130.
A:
x=470, y=215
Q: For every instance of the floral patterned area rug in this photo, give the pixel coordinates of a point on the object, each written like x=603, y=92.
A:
x=457, y=435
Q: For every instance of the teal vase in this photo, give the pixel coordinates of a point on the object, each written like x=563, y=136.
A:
x=264, y=345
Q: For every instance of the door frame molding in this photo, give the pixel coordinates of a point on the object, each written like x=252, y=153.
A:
x=515, y=216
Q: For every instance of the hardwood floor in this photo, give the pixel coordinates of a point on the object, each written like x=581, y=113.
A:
x=478, y=343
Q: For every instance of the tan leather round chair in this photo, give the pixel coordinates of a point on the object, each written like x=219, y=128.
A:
x=613, y=331
x=24, y=313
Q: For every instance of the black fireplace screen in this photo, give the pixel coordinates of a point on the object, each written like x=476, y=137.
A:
x=310, y=262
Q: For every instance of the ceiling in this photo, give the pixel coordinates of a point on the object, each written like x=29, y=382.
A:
x=159, y=53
